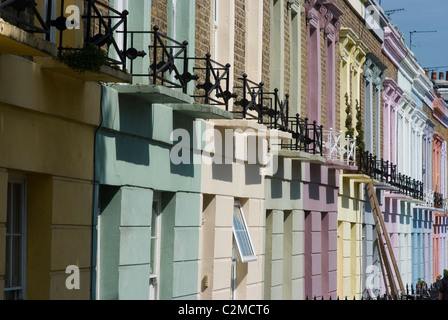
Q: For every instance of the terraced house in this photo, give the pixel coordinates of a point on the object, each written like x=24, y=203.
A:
x=216, y=150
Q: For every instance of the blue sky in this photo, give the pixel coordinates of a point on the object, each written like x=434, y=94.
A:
x=430, y=49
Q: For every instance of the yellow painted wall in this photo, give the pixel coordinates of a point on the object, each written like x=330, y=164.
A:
x=3, y=208
x=46, y=121
x=349, y=240
x=58, y=235
x=47, y=127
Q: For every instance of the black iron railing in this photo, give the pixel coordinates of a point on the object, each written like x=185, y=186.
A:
x=25, y=14
x=438, y=200
x=215, y=88
x=276, y=110
x=307, y=136
x=387, y=172
x=100, y=25
x=169, y=61
x=251, y=99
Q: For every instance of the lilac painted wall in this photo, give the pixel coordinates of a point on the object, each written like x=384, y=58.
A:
x=320, y=194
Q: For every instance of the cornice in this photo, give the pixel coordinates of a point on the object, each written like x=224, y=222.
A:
x=374, y=69
x=329, y=20
x=440, y=111
x=410, y=67
x=421, y=86
x=295, y=5
x=312, y=11
x=358, y=50
x=407, y=104
x=392, y=93
x=393, y=47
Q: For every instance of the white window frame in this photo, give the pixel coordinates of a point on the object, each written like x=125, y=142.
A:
x=233, y=273
x=154, y=277
x=238, y=209
x=22, y=288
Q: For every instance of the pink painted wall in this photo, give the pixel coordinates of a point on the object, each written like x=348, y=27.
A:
x=320, y=194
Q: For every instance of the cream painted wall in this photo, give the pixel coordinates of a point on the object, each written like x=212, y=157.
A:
x=222, y=185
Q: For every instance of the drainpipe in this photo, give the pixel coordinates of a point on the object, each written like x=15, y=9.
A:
x=95, y=213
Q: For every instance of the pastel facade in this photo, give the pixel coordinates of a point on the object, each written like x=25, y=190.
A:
x=49, y=113
x=238, y=173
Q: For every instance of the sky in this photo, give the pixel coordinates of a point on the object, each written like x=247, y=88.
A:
x=430, y=48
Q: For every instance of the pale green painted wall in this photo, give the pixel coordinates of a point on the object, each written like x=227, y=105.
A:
x=180, y=245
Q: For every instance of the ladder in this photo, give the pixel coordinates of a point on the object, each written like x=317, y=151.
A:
x=387, y=258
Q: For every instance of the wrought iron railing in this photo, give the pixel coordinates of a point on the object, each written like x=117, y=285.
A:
x=387, y=172
x=306, y=136
x=25, y=15
x=275, y=110
x=438, y=200
x=168, y=61
x=215, y=88
x=251, y=101
x=101, y=24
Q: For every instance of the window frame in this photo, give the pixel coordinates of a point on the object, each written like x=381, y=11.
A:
x=244, y=258
x=154, y=276
x=21, y=289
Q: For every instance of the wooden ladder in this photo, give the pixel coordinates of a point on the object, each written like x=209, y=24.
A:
x=387, y=257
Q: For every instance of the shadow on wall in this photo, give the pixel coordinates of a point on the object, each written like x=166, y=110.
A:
x=184, y=169
x=136, y=120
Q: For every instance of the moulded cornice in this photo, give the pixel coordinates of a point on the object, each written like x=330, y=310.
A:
x=357, y=49
x=374, y=69
x=421, y=118
x=421, y=86
x=312, y=10
x=392, y=92
x=409, y=66
x=393, y=47
x=429, y=99
x=438, y=138
x=295, y=5
x=441, y=111
x=329, y=19
x=407, y=104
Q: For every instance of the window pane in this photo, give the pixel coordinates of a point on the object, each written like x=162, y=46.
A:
x=9, y=210
x=7, y=264
x=14, y=259
x=242, y=237
x=17, y=208
x=154, y=219
x=16, y=275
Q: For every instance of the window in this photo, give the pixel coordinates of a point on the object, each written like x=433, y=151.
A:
x=15, y=242
x=155, y=249
x=246, y=252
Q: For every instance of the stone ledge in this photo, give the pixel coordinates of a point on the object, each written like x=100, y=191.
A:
x=106, y=74
x=14, y=40
x=201, y=111
x=153, y=94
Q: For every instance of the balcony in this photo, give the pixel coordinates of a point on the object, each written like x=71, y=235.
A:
x=340, y=153
x=26, y=29
x=385, y=176
x=433, y=201
x=23, y=30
